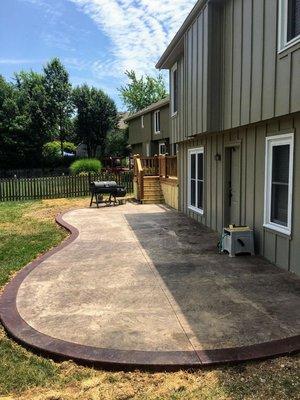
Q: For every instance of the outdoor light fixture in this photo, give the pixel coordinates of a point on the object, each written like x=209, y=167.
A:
x=218, y=157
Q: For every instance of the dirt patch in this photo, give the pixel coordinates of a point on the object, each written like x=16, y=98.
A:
x=48, y=209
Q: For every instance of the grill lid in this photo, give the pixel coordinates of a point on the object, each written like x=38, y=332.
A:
x=104, y=184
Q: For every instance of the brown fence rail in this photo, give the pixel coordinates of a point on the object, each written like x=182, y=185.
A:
x=53, y=187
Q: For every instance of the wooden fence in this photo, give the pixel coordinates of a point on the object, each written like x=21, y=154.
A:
x=15, y=189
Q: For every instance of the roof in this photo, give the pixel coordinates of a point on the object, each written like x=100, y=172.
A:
x=148, y=109
x=176, y=44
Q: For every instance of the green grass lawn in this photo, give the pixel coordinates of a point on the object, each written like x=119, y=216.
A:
x=28, y=229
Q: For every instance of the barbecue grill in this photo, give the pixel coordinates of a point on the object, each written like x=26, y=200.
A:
x=110, y=188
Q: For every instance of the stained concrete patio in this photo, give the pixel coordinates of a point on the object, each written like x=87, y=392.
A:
x=144, y=285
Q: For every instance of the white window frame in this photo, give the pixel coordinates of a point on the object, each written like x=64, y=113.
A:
x=196, y=151
x=157, y=112
x=142, y=121
x=283, y=42
x=271, y=141
x=160, y=144
x=173, y=69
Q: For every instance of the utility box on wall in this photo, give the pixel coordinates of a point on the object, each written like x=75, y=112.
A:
x=237, y=240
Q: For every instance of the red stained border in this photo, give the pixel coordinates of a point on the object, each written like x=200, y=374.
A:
x=18, y=329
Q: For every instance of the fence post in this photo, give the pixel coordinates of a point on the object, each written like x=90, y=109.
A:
x=156, y=172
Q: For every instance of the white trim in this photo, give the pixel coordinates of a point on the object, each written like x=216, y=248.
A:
x=197, y=150
x=173, y=69
x=271, y=141
x=142, y=121
x=155, y=127
x=283, y=42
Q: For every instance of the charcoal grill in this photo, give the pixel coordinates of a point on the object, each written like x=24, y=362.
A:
x=110, y=188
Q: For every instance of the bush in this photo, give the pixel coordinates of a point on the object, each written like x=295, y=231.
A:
x=52, y=152
x=85, y=165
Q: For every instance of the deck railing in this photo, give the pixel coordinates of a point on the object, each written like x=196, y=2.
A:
x=150, y=165
x=168, y=166
x=163, y=166
x=139, y=176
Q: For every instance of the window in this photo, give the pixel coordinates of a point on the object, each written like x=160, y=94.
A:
x=289, y=23
x=147, y=149
x=174, y=89
x=162, y=148
x=279, y=182
x=157, y=122
x=142, y=121
x=196, y=179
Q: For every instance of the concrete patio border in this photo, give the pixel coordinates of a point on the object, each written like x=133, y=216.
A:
x=121, y=359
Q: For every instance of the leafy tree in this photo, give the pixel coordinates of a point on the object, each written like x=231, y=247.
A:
x=59, y=100
x=37, y=127
x=142, y=92
x=96, y=116
x=12, y=124
x=117, y=143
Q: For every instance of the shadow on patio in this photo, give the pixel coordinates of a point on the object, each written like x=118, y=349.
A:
x=221, y=302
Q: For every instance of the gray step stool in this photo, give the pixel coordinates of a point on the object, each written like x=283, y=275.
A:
x=237, y=240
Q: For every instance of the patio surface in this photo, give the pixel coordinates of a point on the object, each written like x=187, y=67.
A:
x=145, y=286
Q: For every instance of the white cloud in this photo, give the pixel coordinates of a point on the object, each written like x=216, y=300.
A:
x=139, y=31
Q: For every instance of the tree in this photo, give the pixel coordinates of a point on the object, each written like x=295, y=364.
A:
x=142, y=92
x=96, y=116
x=12, y=124
x=117, y=143
x=59, y=101
x=37, y=127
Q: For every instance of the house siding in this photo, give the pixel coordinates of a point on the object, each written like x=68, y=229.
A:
x=258, y=83
x=138, y=136
x=279, y=249
x=192, y=115
x=230, y=73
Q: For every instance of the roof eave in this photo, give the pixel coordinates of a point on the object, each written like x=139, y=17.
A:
x=152, y=107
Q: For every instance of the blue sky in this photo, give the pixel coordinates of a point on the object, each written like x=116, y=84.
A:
x=97, y=40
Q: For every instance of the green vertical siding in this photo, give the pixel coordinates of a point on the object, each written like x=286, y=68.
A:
x=279, y=249
x=138, y=136
x=257, y=82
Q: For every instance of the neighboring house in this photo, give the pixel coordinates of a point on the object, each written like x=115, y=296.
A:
x=149, y=129
x=235, y=115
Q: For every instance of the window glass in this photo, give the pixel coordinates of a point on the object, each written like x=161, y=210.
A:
x=293, y=19
x=175, y=91
x=157, y=121
x=196, y=174
x=193, y=166
x=280, y=184
x=200, y=194
x=200, y=165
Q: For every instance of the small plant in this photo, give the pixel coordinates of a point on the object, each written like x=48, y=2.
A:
x=85, y=165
